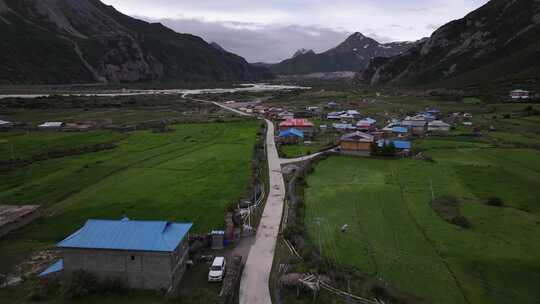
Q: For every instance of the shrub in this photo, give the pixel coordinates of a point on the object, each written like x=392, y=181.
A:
x=461, y=221
x=81, y=284
x=495, y=201
x=447, y=200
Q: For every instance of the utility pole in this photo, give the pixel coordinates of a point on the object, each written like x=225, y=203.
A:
x=12, y=154
x=432, y=191
x=318, y=222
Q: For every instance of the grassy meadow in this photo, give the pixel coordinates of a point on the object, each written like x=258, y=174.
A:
x=192, y=173
x=23, y=145
x=395, y=235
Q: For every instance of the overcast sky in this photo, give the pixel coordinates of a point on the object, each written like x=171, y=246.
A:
x=272, y=30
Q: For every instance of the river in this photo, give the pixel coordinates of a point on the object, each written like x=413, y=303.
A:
x=252, y=87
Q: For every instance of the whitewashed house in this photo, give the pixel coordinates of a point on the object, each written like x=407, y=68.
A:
x=519, y=94
x=51, y=125
x=438, y=126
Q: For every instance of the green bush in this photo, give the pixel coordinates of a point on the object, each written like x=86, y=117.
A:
x=447, y=200
x=81, y=284
x=495, y=201
x=461, y=221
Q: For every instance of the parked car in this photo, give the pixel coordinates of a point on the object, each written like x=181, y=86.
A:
x=217, y=270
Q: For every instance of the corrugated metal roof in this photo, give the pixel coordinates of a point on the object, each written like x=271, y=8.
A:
x=126, y=234
x=400, y=130
x=358, y=136
x=291, y=132
x=399, y=144
x=56, y=267
x=51, y=124
x=296, y=123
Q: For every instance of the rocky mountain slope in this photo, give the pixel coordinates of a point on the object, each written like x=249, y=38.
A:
x=75, y=41
x=499, y=41
x=354, y=54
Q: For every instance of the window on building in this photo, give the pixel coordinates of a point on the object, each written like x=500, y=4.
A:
x=133, y=258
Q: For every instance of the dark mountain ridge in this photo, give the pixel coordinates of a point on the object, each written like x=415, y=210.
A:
x=500, y=40
x=354, y=54
x=76, y=41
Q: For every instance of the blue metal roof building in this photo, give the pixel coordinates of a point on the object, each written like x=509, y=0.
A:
x=400, y=130
x=291, y=132
x=399, y=144
x=54, y=268
x=126, y=234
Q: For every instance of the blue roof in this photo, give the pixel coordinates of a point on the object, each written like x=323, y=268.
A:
x=399, y=144
x=291, y=132
x=56, y=267
x=400, y=130
x=126, y=234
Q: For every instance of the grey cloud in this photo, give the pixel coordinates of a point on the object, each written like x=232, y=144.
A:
x=257, y=43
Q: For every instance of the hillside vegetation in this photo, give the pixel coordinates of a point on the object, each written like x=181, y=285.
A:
x=499, y=42
x=68, y=41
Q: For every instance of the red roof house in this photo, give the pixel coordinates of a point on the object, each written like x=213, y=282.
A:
x=303, y=125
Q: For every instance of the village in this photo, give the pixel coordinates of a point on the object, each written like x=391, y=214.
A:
x=169, y=257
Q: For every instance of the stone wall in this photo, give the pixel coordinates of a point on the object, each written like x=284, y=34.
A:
x=16, y=217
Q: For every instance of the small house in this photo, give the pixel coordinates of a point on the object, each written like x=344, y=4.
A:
x=51, y=125
x=142, y=254
x=303, y=125
x=399, y=132
x=335, y=115
x=366, y=124
x=399, y=144
x=433, y=112
x=438, y=126
x=357, y=143
x=343, y=126
x=5, y=125
x=415, y=126
x=291, y=136
x=352, y=113
x=285, y=115
x=519, y=94
x=403, y=147
x=332, y=104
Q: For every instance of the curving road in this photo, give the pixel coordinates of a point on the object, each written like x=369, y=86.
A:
x=286, y=161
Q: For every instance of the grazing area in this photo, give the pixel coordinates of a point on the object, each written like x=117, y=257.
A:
x=192, y=172
x=24, y=145
x=394, y=233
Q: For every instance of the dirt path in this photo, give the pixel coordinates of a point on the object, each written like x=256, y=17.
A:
x=221, y=106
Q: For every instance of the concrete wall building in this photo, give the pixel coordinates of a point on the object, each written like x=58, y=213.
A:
x=143, y=254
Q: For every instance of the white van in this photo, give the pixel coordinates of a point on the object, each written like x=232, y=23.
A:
x=217, y=270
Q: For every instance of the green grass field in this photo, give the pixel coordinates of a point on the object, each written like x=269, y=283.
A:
x=191, y=174
x=395, y=235
x=24, y=145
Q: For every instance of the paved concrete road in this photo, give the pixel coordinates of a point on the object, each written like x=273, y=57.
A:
x=254, y=288
x=286, y=161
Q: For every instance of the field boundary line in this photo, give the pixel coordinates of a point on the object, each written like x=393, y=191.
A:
x=430, y=241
